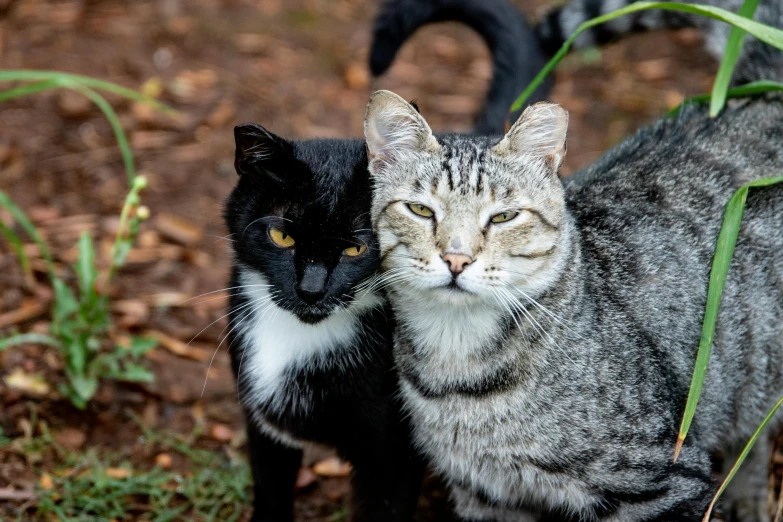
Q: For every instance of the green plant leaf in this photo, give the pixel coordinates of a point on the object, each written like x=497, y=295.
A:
x=30, y=88
x=724, y=251
x=742, y=457
x=66, y=78
x=31, y=338
x=114, y=121
x=65, y=303
x=18, y=248
x=30, y=229
x=85, y=265
x=135, y=373
x=141, y=345
x=729, y=60
x=758, y=87
x=85, y=386
x=77, y=354
x=765, y=33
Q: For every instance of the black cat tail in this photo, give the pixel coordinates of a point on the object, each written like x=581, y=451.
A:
x=516, y=54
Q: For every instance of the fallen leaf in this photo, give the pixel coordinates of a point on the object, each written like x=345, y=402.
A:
x=178, y=228
x=72, y=104
x=178, y=347
x=32, y=383
x=163, y=460
x=332, y=467
x=30, y=309
x=221, y=433
x=70, y=438
x=118, y=473
x=356, y=76
x=223, y=113
x=46, y=482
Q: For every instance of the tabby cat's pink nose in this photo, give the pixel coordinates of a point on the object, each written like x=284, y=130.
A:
x=457, y=262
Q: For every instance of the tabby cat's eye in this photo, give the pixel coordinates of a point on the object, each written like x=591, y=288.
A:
x=355, y=250
x=503, y=216
x=420, y=210
x=281, y=238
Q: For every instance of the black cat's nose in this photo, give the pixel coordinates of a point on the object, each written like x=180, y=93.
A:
x=312, y=285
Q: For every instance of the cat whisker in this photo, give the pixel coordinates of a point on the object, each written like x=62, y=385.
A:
x=545, y=334
x=262, y=218
x=221, y=290
x=249, y=308
x=220, y=238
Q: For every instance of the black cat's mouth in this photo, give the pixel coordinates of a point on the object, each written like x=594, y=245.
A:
x=312, y=316
x=314, y=313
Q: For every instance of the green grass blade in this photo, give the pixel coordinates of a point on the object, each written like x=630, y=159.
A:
x=28, y=227
x=765, y=33
x=114, y=121
x=729, y=60
x=724, y=251
x=18, y=339
x=18, y=247
x=85, y=266
x=742, y=458
x=25, y=90
x=748, y=89
x=28, y=75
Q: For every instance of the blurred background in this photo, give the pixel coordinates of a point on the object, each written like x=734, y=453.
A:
x=161, y=448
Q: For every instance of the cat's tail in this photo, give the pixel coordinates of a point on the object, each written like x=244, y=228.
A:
x=516, y=54
x=758, y=60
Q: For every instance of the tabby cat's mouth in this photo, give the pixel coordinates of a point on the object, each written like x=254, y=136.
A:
x=454, y=287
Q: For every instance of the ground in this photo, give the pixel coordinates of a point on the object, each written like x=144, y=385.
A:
x=295, y=66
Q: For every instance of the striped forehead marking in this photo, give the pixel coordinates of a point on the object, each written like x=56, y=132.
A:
x=463, y=168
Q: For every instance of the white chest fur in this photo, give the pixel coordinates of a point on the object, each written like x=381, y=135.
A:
x=276, y=342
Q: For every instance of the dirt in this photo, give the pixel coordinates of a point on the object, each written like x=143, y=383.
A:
x=295, y=66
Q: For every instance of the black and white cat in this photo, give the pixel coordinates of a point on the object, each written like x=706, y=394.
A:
x=310, y=346
x=310, y=339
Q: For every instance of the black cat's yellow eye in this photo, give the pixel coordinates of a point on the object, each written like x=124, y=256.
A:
x=503, y=217
x=280, y=238
x=355, y=250
x=420, y=210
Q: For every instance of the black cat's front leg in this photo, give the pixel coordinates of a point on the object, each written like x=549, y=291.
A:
x=274, y=467
x=387, y=476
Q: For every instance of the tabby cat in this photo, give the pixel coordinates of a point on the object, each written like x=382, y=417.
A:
x=547, y=329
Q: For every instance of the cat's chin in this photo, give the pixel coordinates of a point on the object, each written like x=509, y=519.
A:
x=454, y=293
x=312, y=317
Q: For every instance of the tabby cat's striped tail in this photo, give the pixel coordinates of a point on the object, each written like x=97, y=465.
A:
x=758, y=60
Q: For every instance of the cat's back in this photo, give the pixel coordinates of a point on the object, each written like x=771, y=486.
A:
x=649, y=213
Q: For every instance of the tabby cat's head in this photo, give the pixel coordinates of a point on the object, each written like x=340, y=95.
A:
x=299, y=219
x=461, y=218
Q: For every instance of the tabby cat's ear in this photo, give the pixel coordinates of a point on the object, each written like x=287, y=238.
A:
x=394, y=129
x=256, y=147
x=539, y=132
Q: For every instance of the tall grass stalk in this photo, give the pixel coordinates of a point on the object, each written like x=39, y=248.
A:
x=765, y=33
x=729, y=60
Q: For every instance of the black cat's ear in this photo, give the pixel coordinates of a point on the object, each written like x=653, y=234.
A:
x=256, y=147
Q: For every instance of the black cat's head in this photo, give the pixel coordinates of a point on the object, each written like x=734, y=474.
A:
x=300, y=217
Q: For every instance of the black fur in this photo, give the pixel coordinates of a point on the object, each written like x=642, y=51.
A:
x=318, y=192
x=516, y=54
